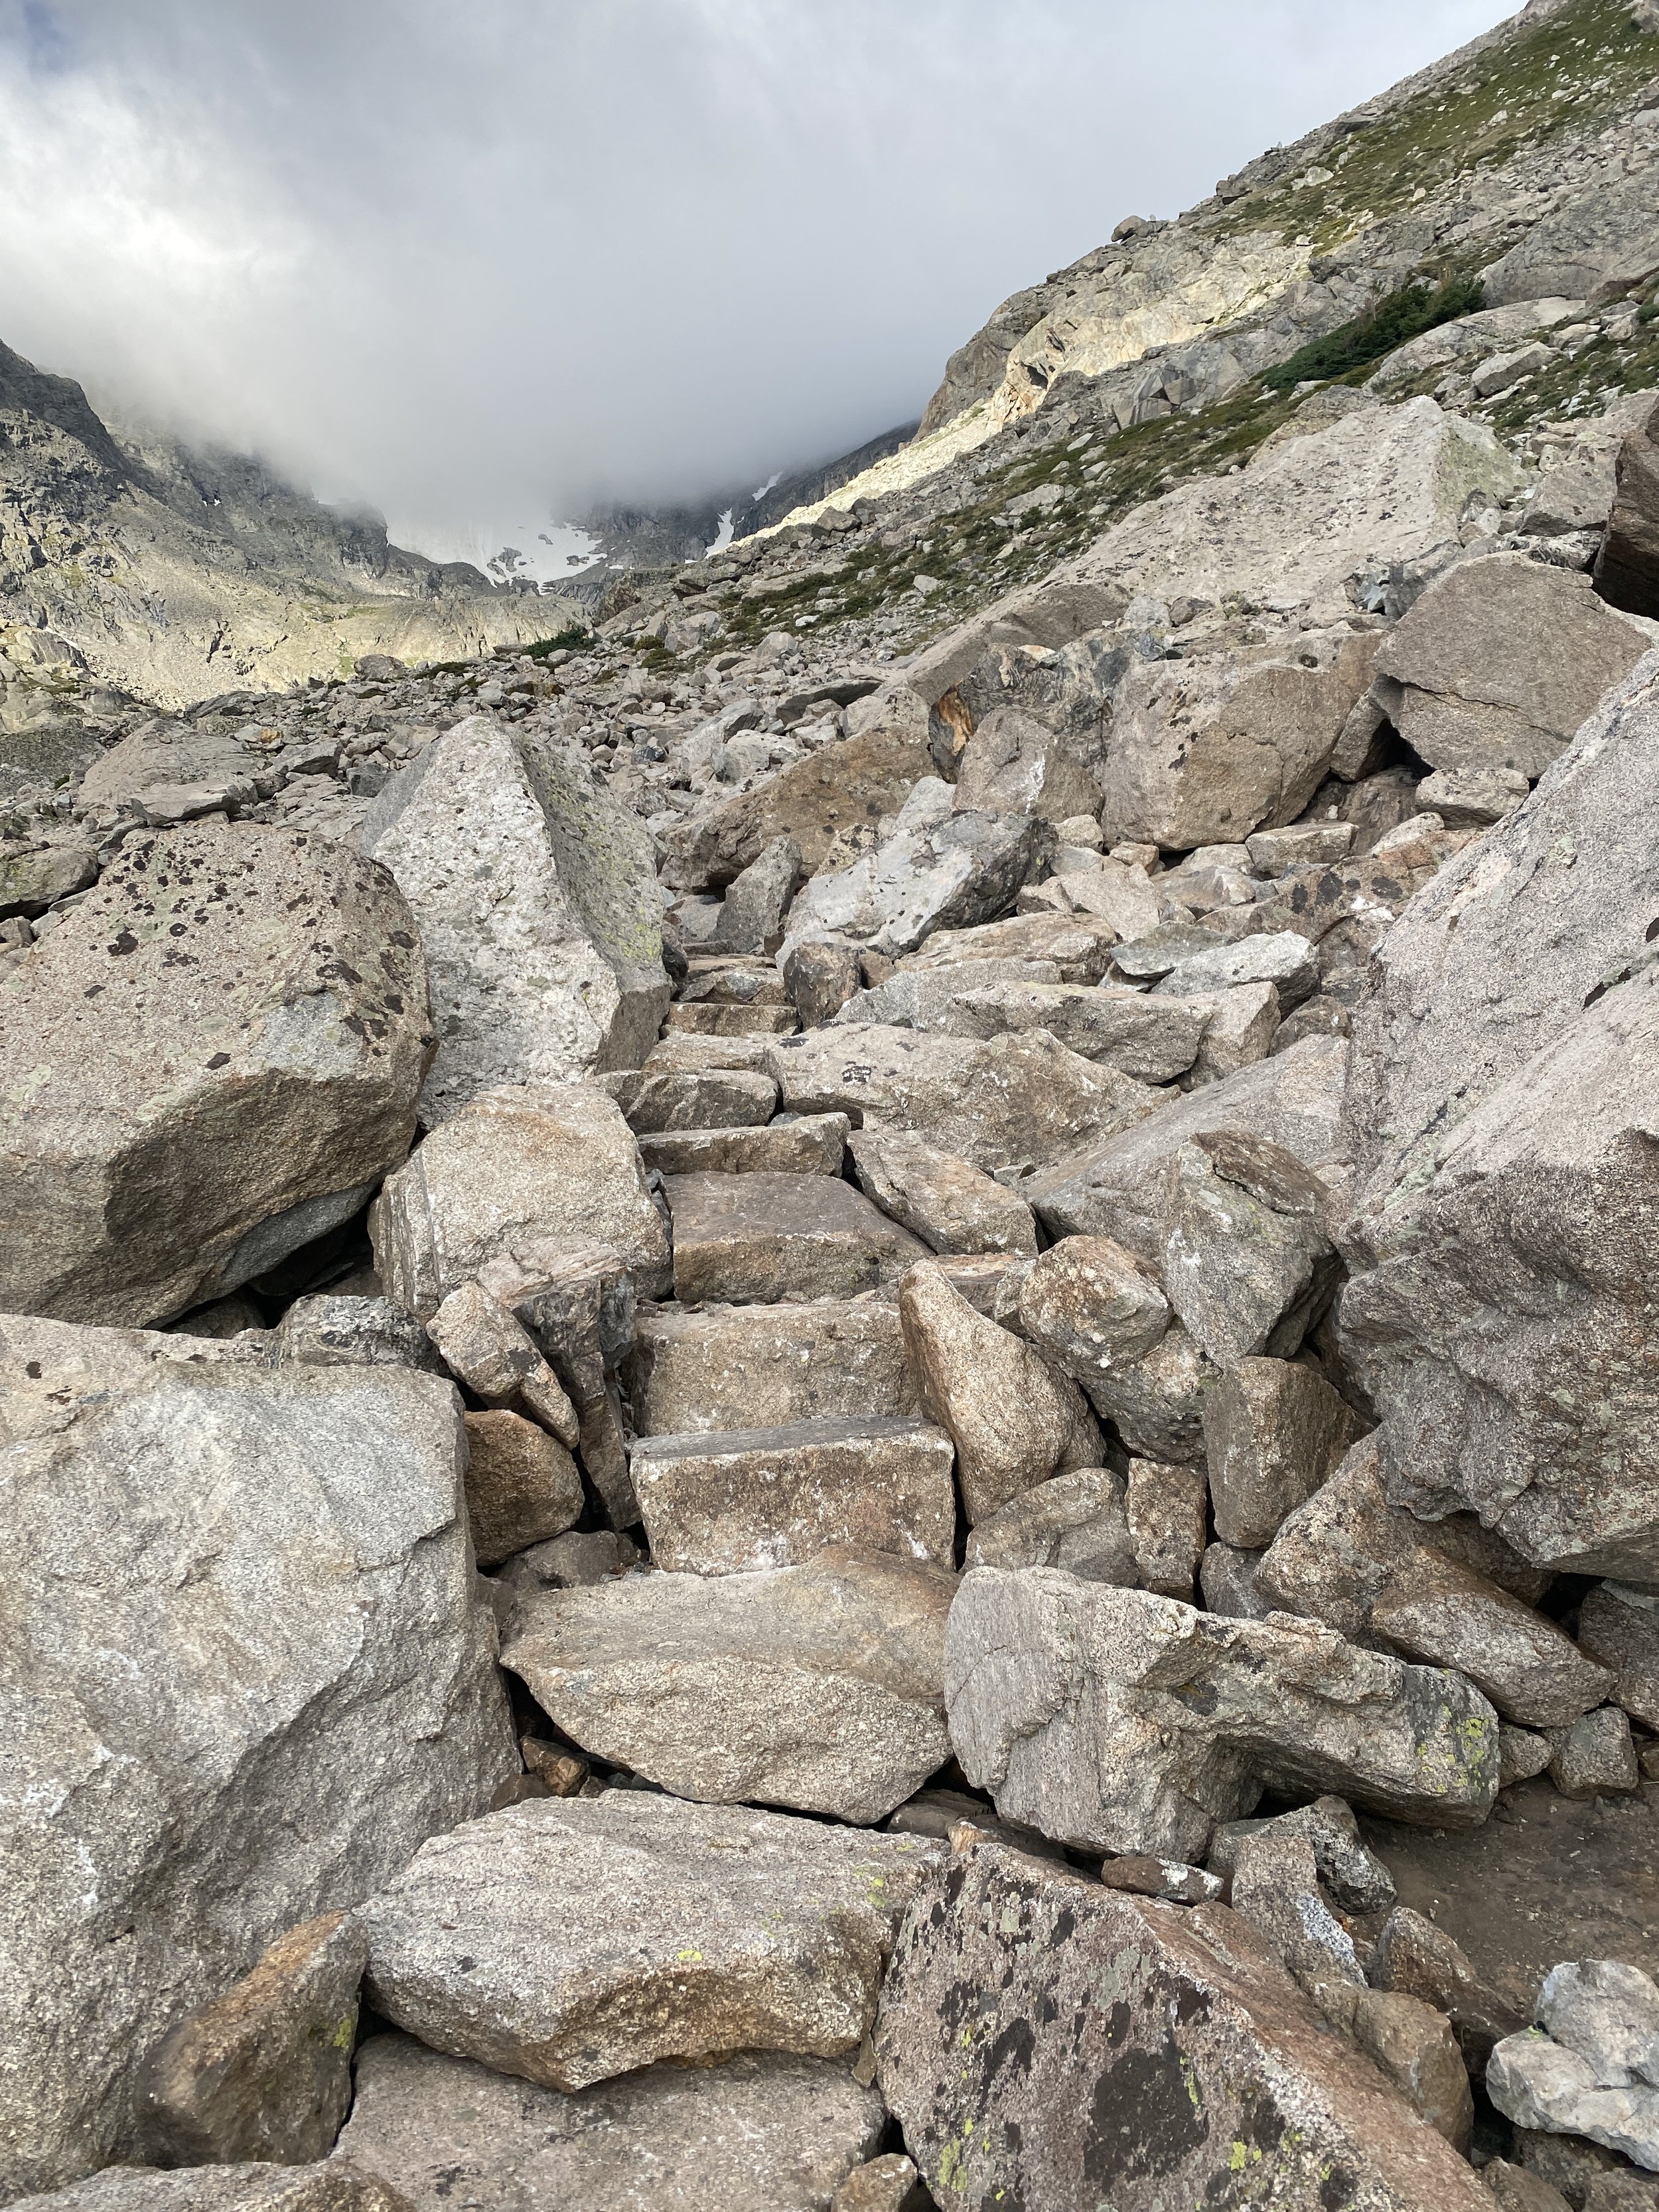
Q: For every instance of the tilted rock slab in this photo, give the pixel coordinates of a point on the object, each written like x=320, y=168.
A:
x=1014, y=1100
x=1121, y=1721
x=518, y=1172
x=1046, y=2042
x=536, y=895
x=718, y=1504
x=759, y=2133
x=256, y=2187
x=1503, y=1251
x=214, y=1057
x=306, y=1691
x=819, y=1687
x=568, y=1940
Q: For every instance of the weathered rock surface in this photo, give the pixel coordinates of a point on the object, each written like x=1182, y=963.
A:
x=1247, y=1263
x=1276, y=1887
x=1589, y=2068
x=522, y=1485
x=283, y=1557
x=517, y=1173
x=1116, y=1187
x=1203, y=753
x=756, y=2133
x=758, y=900
x=537, y=904
x=1015, y=764
x=1015, y=1421
x=1165, y=1508
x=1178, y=2063
x=1075, y=1521
x=1433, y=1609
x=1500, y=661
x=1274, y=1432
x=813, y=1144
x=654, y=1100
x=1619, y=1628
x=718, y=1504
x=1012, y=1100
x=757, y=1239
x=1153, y=1039
x=1090, y=1306
x=223, y=1045
x=952, y=1205
x=684, y=1929
x=265, y=2071
x=817, y=1686
x=1355, y=1876
x=262, y=2187
x=942, y=867
x=1122, y=1721
x=736, y=1367
x=1627, y=565
x=490, y=1349
x=1499, y=1249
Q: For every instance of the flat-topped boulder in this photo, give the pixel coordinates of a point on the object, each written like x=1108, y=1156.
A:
x=1154, y=1039
x=810, y=1144
x=738, y=1367
x=217, y=1055
x=726, y=1504
x=759, y=2132
x=819, y=1687
x=682, y=1930
x=755, y=1239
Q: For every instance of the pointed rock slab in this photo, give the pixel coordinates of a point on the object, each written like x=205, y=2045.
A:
x=736, y=1367
x=215, y=1056
x=537, y=900
x=1120, y=1186
x=281, y=1556
x=770, y=2133
x=1177, y=2063
x=265, y=2071
x=728, y=1504
x=1120, y=1721
x=1014, y=1421
x=818, y=1687
x=518, y=1171
x=1015, y=1101
x=681, y=1929
x=951, y=1207
x=261, y=2187
x=759, y=1239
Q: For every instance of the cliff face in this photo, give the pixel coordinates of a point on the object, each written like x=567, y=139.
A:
x=179, y=574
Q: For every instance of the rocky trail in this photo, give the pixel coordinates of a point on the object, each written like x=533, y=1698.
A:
x=840, y=1393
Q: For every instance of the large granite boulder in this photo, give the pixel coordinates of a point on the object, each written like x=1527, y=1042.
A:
x=214, y=1058
x=515, y=1174
x=760, y=2132
x=1627, y=566
x=1503, y=1250
x=537, y=900
x=819, y=1687
x=681, y=1930
x=1176, y=2062
x=305, y=1689
x=1119, y=1720
x=1500, y=661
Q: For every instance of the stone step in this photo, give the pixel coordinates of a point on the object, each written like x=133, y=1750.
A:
x=766, y=1367
x=709, y=1019
x=728, y=1503
x=810, y=1144
x=757, y=1239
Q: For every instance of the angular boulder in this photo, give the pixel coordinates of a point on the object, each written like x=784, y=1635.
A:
x=1178, y=2063
x=1075, y=1521
x=257, y=2187
x=717, y=1503
x=1501, y=1252
x=819, y=1687
x=769, y=1367
x=1627, y=565
x=1247, y=1264
x=219, y=1055
x=536, y=900
x=757, y=1239
x=282, y=1558
x=812, y=1144
x=1012, y=764
x=684, y=1929
x=1153, y=1039
x=518, y=1172
x=1090, y=1306
x=1014, y=1101
x=1500, y=661
x=760, y=2132
x=1117, y=1720
x=1274, y=1432
x=950, y=1204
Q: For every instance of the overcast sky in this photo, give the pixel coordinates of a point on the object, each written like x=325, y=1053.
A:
x=459, y=257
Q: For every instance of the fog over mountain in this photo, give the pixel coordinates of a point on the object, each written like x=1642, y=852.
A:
x=509, y=259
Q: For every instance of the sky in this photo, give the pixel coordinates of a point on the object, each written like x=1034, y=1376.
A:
x=477, y=262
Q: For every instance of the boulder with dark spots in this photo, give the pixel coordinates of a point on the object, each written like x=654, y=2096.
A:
x=1176, y=2062
x=216, y=1057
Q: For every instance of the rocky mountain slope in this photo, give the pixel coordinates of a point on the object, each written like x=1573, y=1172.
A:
x=177, y=574
x=840, y=1395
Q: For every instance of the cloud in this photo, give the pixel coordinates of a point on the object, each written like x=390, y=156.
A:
x=526, y=253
